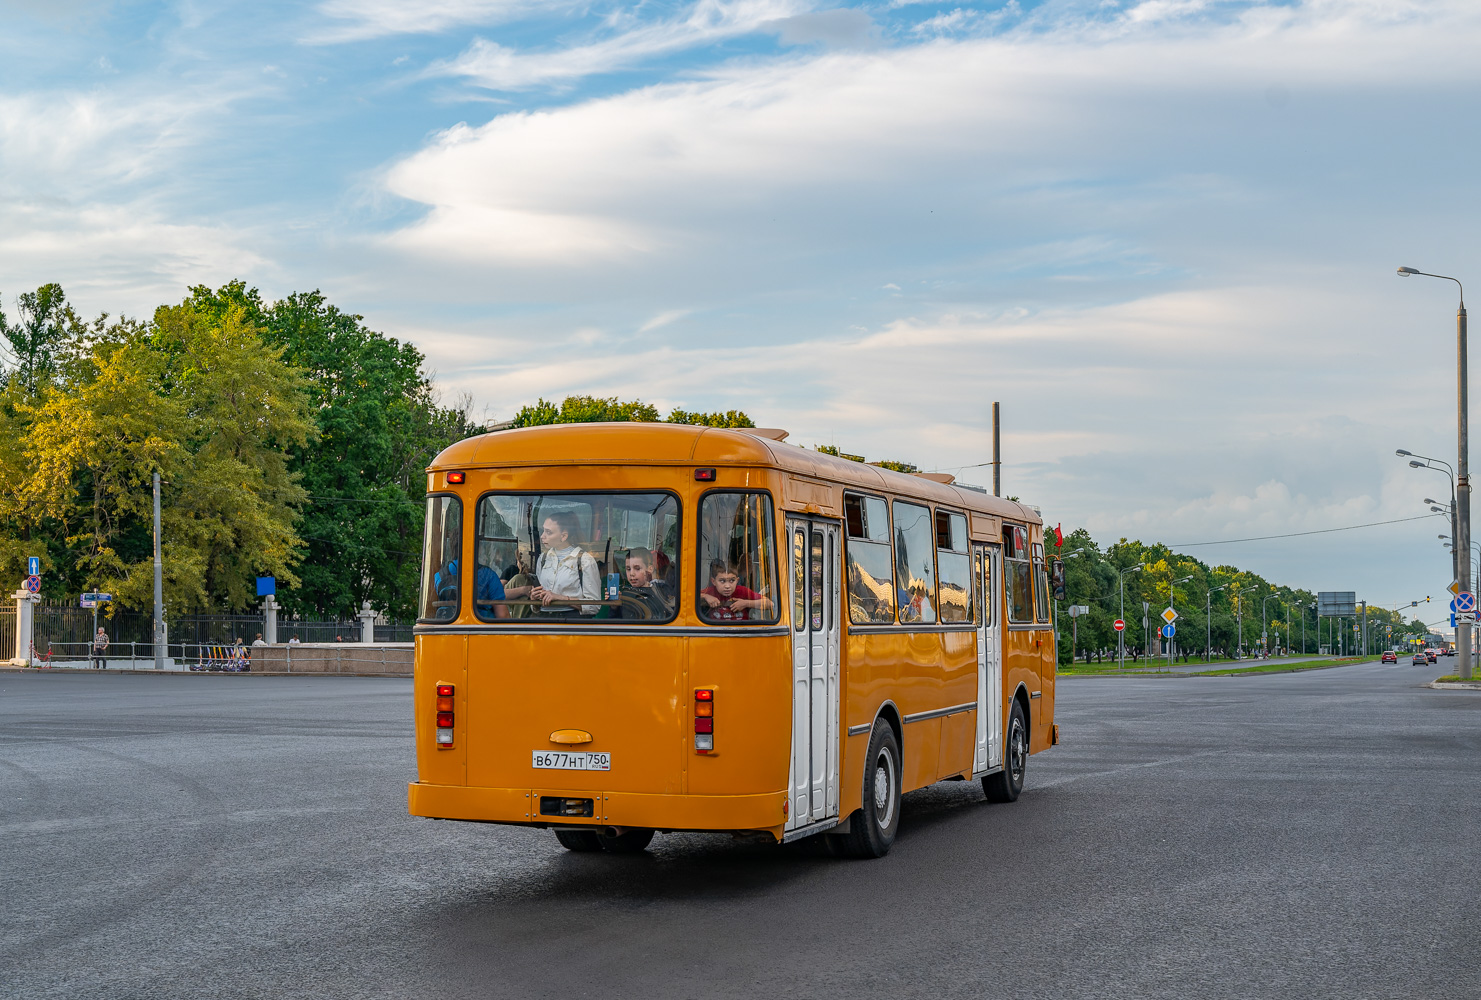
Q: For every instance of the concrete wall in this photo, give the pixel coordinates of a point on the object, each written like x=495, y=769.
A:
x=386, y=659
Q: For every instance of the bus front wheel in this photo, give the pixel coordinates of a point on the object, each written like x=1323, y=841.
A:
x=874, y=826
x=1005, y=785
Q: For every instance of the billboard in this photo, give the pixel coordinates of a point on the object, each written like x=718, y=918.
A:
x=1336, y=603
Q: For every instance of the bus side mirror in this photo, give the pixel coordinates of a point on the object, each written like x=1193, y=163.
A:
x=1056, y=576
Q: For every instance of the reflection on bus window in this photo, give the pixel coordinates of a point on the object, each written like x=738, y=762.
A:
x=915, y=564
x=576, y=557
x=871, y=595
x=441, y=554
x=737, y=559
x=1041, y=583
x=1018, y=574
x=953, y=565
x=799, y=579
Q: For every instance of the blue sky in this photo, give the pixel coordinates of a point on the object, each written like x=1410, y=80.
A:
x=1162, y=232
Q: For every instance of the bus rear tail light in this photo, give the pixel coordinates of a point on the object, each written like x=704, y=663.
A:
x=444, y=716
x=704, y=720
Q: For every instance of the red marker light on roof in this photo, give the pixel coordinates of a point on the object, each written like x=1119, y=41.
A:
x=455, y=478
x=704, y=475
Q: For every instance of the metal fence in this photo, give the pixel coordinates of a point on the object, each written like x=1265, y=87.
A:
x=66, y=627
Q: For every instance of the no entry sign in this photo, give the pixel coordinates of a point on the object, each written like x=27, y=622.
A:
x=1118, y=625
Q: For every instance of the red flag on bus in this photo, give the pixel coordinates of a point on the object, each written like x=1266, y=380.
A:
x=1059, y=535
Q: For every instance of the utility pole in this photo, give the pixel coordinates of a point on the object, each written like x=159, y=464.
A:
x=159, y=588
x=997, y=455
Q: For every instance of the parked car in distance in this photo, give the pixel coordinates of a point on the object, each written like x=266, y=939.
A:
x=1421, y=660
x=1389, y=656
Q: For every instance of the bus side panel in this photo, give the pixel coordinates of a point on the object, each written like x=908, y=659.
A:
x=440, y=659
x=959, y=687
x=1044, y=707
x=752, y=681
x=1021, y=663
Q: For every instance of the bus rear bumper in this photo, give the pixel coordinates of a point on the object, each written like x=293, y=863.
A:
x=624, y=809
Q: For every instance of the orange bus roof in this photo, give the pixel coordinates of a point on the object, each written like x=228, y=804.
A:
x=686, y=444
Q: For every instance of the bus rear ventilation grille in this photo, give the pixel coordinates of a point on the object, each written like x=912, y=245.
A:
x=551, y=805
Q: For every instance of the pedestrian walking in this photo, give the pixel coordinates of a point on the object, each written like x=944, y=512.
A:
x=100, y=650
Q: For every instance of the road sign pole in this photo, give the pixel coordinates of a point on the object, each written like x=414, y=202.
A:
x=159, y=588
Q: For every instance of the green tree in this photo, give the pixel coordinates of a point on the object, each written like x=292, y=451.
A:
x=204, y=402
x=37, y=336
x=729, y=418
x=379, y=423
x=585, y=410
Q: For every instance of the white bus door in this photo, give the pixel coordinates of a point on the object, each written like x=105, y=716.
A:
x=816, y=633
x=985, y=568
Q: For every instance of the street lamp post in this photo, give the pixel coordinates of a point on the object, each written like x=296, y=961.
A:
x=1303, y=628
x=1239, y=623
x=1208, y=621
x=1264, y=626
x=1121, y=636
x=1462, y=467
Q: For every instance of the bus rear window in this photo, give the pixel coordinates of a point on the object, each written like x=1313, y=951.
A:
x=576, y=557
x=442, y=555
x=737, y=559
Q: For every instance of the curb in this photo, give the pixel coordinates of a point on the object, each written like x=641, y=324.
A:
x=1454, y=685
x=1251, y=673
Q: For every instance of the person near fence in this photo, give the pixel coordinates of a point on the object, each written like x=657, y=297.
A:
x=258, y=641
x=100, y=650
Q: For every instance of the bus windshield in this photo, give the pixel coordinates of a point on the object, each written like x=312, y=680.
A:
x=576, y=557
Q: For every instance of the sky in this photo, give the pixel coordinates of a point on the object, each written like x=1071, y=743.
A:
x=1162, y=233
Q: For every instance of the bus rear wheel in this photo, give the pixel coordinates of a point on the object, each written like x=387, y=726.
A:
x=578, y=840
x=631, y=842
x=1005, y=785
x=873, y=828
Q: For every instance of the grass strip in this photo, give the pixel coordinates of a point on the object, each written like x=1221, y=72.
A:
x=1283, y=668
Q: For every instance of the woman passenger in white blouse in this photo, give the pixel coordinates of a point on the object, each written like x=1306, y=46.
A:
x=566, y=572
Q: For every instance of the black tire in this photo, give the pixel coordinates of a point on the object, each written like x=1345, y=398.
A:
x=873, y=828
x=579, y=840
x=631, y=842
x=1005, y=785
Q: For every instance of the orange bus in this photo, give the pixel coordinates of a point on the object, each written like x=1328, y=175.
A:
x=636, y=628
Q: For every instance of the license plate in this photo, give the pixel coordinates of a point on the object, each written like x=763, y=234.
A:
x=562, y=760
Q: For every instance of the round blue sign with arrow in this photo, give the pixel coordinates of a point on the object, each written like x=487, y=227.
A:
x=1167, y=631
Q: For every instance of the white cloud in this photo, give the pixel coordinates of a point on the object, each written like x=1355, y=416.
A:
x=359, y=20
x=489, y=64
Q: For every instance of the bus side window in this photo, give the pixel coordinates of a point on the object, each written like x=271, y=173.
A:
x=1018, y=574
x=799, y=579
x=1041, y=583
x=871, y=599
x=952, y=566
x=915, y=564
x=442, y=559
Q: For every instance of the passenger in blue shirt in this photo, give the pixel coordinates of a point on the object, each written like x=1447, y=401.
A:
x=487, y=587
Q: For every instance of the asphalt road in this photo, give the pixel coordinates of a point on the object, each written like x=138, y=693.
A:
x=1291, y=835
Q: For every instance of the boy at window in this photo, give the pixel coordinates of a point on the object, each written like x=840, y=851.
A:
x=726, y=600
x=644, y=596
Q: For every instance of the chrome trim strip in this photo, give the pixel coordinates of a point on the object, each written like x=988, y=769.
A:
x=939, y=712
x=1028, y=627
x=983, y=774
x=862, y=727
x=810, y=829
x=1035, y=694
x=544, y=629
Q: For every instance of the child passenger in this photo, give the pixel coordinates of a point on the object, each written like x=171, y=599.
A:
x=726, y=600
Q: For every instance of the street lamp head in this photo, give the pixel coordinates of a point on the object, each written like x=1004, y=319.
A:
x=1402, y=452
x=1404, y=272
x=1437, y=510
x=1415, y=465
